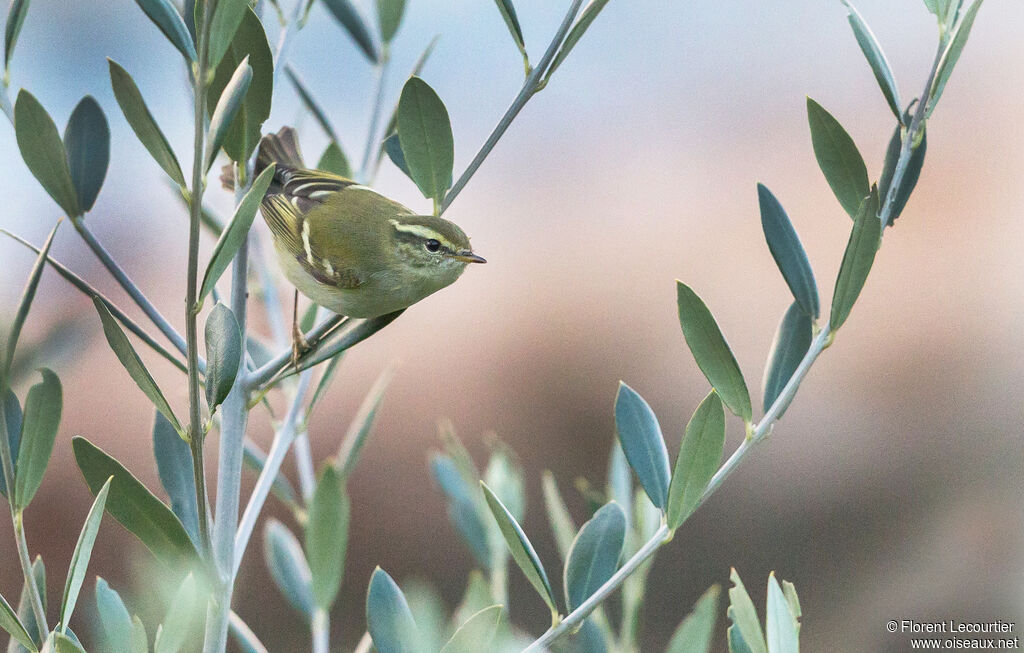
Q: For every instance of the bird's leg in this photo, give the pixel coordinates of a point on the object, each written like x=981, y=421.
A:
x=299, y=344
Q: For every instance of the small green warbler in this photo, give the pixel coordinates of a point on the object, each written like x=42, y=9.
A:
x=347, y=247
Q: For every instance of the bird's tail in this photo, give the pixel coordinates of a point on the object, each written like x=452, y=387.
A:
x=281, y=148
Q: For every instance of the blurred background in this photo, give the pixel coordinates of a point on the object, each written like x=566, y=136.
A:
x=891, y=489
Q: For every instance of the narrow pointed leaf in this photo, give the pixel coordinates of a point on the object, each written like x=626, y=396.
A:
x=15, y=19
x=952, y=54
x=166, y=17
x=910, y=175
x=508, y=14
x=246, y=640
x=857, y=260
x=223, y=354
x=82, y=554
x=350, y=19
x=788, y=252
x=521, y=548
x=64, y=644
x=25, y=613
x=619, y=479
x=425, y=134
x=288, y=566
x=789, y=590
x=174, y=467
x=140, y=639
x=38, y=431
x=236, y=232
x=24, y=304
x=227, y=16
x=392, y=124
x=135, y=507
x=791, y=342
x=12, y=417
x=462, y=508
x=504, y=475
x=695, y=632
x=876, y=58
x=334, y=160
x=228, y=106
x=644, y=446
x=327, y=537
x=393, y=148
x=312, y=105
x=177, y=625
x=561, y=522
x=594, y=555
x=142, y=122
x=9, y=622
x=780, y=623
x=43, y=151
x=87, y=142
x=699, y=456
x=711, y=351
x=281, y=487
x=125, y=353
x=477, y=633
x=389, y=18
x=743, y=615
x=838, y=158
x=115, y=621
x=361, y=425
x=388, y=617
x=587, y=17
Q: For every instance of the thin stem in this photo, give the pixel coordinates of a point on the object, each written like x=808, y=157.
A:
x=378, y=103
x=530, y=88
x=5, y=103
x=304, y=465
x=281, y=360
x=320, y=626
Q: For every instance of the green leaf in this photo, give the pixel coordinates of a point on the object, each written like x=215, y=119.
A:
x=115, y=621
x=788, y=252
x=957, y=41
x=561, y=522
x=644, y=446
x=695, y=632
x=12, y=417
x=228, y=106
x=9, y=622
x=246, y=640
x=15, y=20
x=508, y=14
x=838, y=158
x=81, y=556
x=349, y=18
x=327, y=537
x=25, y=613
x=223, y=354
x=24, y=304
x=789, y=590
x=745, y=624
x=425, y=134
x=236, y=232
x=174, y=467
x=780, y=623
x=249, y=44
x=389, y=17
x=135, y=507
x=177, y=625
x=504, y=475
x=857, y=260
x=711, y=351
x=38, y=431
x=312, y=105
x=791, y=342
x=64, y=644
x=227, y=16
x=619, y=479
x=87, y=142
x=140, y=640
x=288, y=566
x=125, y=353
x=166, y=17
x=43, y=152
x=876, y=58
x=699, y=456
x=393, y=148
x=590, y=13
x=462, y=508
x=477, y=633
x=594, y=555
x=334, y=160
x=910, y=175
x=521, y=548
x=142, y=122
x=388, y=617
x=361, y=425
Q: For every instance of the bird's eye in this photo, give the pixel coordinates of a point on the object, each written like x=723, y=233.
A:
x=432, y=245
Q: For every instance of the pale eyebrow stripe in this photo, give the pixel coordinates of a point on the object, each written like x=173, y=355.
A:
x=422, y=232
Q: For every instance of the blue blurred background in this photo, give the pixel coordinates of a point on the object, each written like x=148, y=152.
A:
x=892, y=488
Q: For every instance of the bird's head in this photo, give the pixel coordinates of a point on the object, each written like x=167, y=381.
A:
x=432, y=246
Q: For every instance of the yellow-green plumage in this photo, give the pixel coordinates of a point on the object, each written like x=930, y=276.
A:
x=349, y=248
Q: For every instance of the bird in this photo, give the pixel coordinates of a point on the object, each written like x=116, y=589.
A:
x=346, y=246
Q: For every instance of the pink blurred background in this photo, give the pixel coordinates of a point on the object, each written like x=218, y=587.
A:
x=892, y=488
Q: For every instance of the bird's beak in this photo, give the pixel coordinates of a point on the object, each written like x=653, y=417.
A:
x=467, y=256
